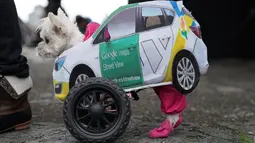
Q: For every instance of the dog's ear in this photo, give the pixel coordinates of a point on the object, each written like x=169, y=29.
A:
x=59, y=27
x=61, y=13
x=54, y=20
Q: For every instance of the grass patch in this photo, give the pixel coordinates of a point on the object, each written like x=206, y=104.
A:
x=244, y=138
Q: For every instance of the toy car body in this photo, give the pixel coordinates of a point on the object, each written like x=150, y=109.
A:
x=149, y=44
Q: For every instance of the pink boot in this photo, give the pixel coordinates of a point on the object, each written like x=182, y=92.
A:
x=165, y=129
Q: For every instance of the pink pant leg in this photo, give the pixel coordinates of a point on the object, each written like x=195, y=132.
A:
x=172, y=101
x=172, y=104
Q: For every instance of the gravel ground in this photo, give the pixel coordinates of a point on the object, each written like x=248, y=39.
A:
x=220, y=110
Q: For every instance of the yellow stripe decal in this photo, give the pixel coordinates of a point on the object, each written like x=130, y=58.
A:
x=65, y=90
x=178, y=46
x=188, y=21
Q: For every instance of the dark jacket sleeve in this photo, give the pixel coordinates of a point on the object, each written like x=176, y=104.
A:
x=11, y=60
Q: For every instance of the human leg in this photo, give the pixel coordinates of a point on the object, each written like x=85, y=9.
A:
x=15, y=112
x=172, y=104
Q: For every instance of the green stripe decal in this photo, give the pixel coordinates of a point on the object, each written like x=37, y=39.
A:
x=120, y=61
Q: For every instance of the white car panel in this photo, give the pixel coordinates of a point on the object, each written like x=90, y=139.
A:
x=154, y=54
x=200, y=53
x=85, y=54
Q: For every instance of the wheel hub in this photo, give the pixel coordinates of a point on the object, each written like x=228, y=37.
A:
x=185, y=73
x=80, y=78
x=97, y=111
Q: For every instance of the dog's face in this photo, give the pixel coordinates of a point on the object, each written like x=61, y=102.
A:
x=54, y=31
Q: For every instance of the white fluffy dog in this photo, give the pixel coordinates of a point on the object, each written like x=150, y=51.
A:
x=58, y=34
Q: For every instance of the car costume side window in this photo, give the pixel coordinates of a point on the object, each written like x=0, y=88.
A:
x=152, y=17
x=119, y=49
x=169, y=16
x=121, y=25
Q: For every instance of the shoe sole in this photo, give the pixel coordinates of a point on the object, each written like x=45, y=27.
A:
x=18, y=127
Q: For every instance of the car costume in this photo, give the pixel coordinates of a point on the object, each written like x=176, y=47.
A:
x=172, y=101
x=155, y=44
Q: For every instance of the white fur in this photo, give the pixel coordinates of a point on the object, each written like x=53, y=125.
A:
x=58, y=34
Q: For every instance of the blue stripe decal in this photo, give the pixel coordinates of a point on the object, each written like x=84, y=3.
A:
x=193, y=24
x=176, y=8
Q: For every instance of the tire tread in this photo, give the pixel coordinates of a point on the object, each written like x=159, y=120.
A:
x=104, y=81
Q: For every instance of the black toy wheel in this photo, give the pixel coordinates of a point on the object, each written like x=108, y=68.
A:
x=97, y=110
x=80, y=73
x=185, y=72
